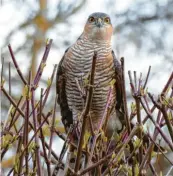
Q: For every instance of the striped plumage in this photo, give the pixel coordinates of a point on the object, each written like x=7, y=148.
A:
x=77, y=65
x=74, y=70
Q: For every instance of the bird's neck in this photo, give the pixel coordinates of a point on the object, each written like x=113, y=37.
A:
x=95, y=41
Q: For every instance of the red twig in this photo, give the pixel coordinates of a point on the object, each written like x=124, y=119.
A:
x=124, y=98
x=16, y=65
x=52, y=129
x=161, y=107
x=9, y=77
x=42, y=63
x=85, y=112
x=42, y=136
x=146, y=80
x=37, y=151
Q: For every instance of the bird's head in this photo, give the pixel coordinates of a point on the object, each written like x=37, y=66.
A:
x=98, y=27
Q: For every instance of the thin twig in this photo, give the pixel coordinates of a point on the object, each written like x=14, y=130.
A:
x=137, y=96
x=4, y=150
x=18, y=151
x=124, y=97
x=161, y=107
x=135, y=80
x=157, y=126
x=49, y=86
x=2, y=71
x=85, y=112
x=60, y=135
x=38, y=129
x=52, y=129
x=42, y=63
x=137, y=99
x=64, y=149
x=153, y=170
x=161, y=150
x=9, y=77
x=146, y=80
x=27, y=123
x=131, y=81
x=139, y=84
x=106, y=111
x=162, y=93
x=21, y=155
x=13, y=120
x=16, y=65
x=53, y=153
x=91, y=125
x=42, y=136
x=80, y=89
x=118, y=155
x=37, y=151
x=12, y=101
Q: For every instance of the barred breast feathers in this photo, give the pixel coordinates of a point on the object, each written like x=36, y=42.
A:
x=77, y=65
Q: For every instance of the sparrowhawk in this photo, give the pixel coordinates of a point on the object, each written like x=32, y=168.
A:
x=73, y=72
x=75, y=66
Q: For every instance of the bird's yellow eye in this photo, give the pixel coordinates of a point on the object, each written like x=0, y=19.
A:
x=91, y=19
x=107, y=20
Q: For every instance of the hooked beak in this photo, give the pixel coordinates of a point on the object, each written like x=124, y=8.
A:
x=99, y=23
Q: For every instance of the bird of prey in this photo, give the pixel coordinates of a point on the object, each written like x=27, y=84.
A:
x=73, y=72
x=74, y=68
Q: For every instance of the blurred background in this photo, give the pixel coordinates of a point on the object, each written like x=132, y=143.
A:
x=143, y=35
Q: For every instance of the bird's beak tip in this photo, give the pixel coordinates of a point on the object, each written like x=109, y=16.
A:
x=99, y=23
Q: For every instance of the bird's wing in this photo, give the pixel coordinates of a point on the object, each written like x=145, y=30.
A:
x=118, y=83
x=66, y=113
x=118, y=86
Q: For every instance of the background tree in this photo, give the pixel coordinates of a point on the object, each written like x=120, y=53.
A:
x=148, y=24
